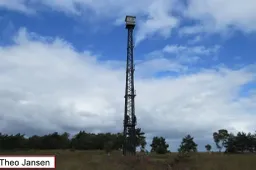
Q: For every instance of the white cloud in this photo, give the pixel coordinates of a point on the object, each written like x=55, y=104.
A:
x=200, y=50
x=191, y=54
x=150, y=67
x=47, y=86
x=154, y=16
x=221, y=15
x=195, y=40
x=18, y=5
x=192, y=29
x=159, y=21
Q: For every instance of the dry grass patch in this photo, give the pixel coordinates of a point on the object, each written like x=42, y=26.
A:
x=98, y=160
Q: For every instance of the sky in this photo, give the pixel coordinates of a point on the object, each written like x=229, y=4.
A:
x=62, y=66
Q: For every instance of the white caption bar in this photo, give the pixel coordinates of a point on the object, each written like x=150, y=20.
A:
x=27, y=161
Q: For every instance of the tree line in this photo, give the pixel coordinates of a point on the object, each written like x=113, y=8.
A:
x=224, y=141
x=80, y=141
x=235, y=143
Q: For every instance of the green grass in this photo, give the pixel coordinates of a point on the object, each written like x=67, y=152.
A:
x=98, y=160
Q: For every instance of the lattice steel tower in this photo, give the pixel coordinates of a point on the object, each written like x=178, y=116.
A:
x=129, y=146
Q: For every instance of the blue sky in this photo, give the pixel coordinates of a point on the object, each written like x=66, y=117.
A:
x=236, y=47
x=195, y=66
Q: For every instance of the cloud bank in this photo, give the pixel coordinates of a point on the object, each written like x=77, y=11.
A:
x=47, y=86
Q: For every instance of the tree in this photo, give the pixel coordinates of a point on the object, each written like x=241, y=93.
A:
x=187, y=145
x=159, y=145
x=231, y=144
x=143, y=144
x=240, y=143
x=208, y=147
x=140, y=139
x=220, y=138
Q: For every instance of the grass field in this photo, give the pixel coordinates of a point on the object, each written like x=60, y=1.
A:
x=97, y=160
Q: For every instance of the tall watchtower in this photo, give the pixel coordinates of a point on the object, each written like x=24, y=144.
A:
x=129, y=146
